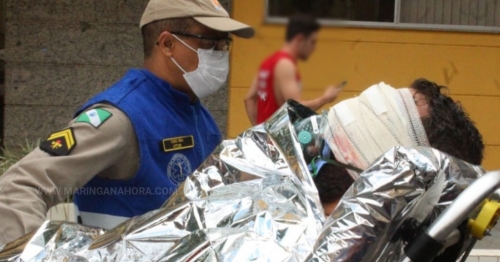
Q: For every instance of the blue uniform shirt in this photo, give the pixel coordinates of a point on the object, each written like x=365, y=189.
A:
x=174, y=136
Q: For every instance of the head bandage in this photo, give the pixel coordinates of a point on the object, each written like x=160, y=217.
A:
x=363, y=128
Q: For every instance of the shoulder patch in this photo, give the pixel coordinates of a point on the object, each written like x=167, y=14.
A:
x=60, y=143
x=94, y=117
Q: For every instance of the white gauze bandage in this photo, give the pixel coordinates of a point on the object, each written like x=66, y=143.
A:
x=363, y=128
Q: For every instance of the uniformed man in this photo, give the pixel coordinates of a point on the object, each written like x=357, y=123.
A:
x=128, y=148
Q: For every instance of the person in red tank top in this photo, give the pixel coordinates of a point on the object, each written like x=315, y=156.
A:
x=278, y=78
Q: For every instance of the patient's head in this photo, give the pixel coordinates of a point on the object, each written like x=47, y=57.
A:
x=448, y=127
x=365, y=127
x=332, y=182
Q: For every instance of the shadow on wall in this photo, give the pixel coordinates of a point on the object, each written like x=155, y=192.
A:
x=2, y=92
x=2, y=86
x=2, y=68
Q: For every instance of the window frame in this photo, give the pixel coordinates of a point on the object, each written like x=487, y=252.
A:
x=384, y=25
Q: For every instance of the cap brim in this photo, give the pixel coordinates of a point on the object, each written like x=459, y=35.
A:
x=226, y=24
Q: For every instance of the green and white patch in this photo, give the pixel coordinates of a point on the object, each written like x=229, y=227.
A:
x=94, y=117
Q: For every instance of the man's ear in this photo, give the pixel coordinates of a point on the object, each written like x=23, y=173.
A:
x=166, y=43
x=300, y=38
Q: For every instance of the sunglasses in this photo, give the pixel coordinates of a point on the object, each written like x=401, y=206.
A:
x=206, y=42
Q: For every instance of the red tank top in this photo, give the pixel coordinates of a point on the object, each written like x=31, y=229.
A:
x=267, y=103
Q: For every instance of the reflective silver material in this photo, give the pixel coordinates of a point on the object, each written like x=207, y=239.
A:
x=465, y=204
x=443, y=229
x=53, y=241
x=253, y=199
x=402, y=191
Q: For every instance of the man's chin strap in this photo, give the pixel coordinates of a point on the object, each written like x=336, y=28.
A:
x=361, y=129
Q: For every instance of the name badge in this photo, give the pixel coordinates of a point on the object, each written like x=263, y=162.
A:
x=177, y=143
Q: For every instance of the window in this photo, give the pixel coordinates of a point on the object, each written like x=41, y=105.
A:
x=461, y=15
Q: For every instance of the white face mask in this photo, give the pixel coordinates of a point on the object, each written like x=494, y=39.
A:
x=212, y=71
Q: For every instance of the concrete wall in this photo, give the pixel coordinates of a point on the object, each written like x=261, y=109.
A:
x=59, y=53
x=468, y=63
x=2, y=65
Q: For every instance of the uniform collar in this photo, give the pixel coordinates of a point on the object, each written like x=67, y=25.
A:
x=167, y=89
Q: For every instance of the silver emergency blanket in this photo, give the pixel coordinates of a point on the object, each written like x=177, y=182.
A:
x=253, y=199
x=402, y=191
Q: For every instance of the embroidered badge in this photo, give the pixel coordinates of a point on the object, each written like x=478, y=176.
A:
x=177, y=143
x=178, y=169
x=94, y=117
x=217, y=5
x=60, y=143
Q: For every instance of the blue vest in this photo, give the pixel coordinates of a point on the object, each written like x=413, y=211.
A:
x=157, y=112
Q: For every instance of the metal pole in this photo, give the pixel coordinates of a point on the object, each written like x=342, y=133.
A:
x=463, y=205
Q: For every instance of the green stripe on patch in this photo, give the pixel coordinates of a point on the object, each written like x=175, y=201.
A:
x=94, y=117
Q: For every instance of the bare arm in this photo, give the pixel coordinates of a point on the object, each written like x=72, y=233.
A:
x=288, y=87
x=251, y=102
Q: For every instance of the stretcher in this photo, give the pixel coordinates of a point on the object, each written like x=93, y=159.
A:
x=478, y=206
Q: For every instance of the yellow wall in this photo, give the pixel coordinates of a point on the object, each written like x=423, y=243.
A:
x=468, y=63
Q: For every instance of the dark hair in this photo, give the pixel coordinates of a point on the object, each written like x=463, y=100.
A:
x=448, y=127
x=332, y=182
x=152, y=31
x=301, y=25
